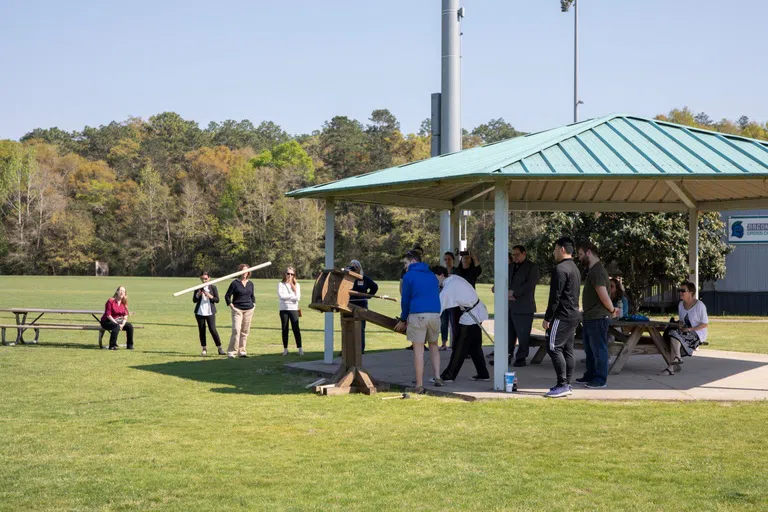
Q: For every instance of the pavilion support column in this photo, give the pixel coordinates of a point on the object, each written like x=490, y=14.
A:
x=500, y=281
x=330, y=226
x=693, y=248
x=455, y=219
x=445, y=233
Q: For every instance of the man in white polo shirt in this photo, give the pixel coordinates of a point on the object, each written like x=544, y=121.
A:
x=457, y=292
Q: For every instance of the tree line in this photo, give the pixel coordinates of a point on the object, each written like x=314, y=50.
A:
x=165, y=197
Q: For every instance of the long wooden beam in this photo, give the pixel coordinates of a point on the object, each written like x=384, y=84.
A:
x=217, y=280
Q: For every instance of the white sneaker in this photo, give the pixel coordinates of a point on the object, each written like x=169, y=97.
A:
x=204, y=352
x=285, y=351
x=231, y=355
x=301, y=351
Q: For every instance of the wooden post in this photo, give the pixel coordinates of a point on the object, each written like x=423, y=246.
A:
x=330, y=226
x=500, y=271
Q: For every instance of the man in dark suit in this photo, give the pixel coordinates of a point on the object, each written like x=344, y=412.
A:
x=523, y=278
x=205, y=301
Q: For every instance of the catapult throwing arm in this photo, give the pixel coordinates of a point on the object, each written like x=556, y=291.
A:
x=369, y=296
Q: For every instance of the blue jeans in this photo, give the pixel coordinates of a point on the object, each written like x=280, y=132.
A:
x=595, y=338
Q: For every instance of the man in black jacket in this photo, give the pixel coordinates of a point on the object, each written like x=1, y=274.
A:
x=523, y=278
x=563, y=316
x=205, y=301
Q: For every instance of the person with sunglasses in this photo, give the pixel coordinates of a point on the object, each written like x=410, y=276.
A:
x=289, y=295
x=205, y=301
x=691, y=329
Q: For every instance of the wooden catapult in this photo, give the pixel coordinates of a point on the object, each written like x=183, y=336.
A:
x=331, y=294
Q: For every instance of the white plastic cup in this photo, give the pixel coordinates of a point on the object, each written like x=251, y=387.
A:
x=509, y=381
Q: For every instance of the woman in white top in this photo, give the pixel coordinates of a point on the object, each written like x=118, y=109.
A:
x=205, y=301
x=692, y=327
x=289, y=294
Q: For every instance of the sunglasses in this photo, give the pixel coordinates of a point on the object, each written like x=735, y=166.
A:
x=681, y=290
x=289, y=273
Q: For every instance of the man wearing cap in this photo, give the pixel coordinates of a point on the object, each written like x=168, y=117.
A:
x=364, y=285
x=420, y=315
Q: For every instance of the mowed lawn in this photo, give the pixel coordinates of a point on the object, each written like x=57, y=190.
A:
x=162, y=428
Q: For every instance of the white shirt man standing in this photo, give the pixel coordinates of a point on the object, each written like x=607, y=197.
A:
x=458, y=293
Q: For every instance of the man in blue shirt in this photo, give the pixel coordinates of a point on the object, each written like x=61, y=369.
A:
x=420, y=315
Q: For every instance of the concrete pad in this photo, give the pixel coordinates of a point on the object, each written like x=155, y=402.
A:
x=708, y=375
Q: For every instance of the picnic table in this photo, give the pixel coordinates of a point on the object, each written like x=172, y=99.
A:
x=22, y=325
x=630, y=333
x=630, y=337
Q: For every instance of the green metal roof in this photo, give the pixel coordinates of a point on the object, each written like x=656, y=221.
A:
x=611, y=149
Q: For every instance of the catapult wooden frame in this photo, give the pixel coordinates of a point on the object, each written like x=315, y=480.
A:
x=331, y=293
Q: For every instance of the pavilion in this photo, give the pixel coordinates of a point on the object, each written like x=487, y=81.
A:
x=617, y=163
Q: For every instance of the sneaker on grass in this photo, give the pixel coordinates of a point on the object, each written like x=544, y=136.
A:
x=558, y=392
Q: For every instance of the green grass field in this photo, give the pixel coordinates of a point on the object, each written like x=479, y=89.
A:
x=161, y=428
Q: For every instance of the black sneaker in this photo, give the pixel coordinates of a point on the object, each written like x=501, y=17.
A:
x=519, y=363
x=222, y=352
x=582, y=381
x=480, y=379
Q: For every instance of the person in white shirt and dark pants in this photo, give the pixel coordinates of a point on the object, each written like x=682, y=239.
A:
x=458, y=293
x=289, y=295
x=205, y=301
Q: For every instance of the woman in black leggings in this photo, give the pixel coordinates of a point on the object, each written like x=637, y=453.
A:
x=205, y=301
x=289, y=294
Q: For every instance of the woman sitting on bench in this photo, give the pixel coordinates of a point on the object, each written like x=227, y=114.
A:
x=692, y=327
x=115, y=319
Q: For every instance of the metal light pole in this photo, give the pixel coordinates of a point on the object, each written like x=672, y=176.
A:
x=565, y=6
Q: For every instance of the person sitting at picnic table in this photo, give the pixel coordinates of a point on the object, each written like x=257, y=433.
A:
x=115, y=319
x=618, y=298
x=692, y=327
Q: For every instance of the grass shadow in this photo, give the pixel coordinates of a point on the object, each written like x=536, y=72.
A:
x=255, y=375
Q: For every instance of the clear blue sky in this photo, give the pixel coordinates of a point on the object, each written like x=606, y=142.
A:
x=300, y=62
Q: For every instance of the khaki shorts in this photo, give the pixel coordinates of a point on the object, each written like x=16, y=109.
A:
x=423, y=327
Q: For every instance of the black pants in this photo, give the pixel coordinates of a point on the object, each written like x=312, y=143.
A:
x=520, y=330
x=560, y=349
x=114, y=330
x=211, y=321
x=469, y=341
x=293, y=317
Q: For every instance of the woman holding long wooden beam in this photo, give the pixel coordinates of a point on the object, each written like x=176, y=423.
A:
x=241, y=301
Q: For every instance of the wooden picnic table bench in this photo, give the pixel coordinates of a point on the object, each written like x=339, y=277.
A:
x=629, y=338
x=22, y=325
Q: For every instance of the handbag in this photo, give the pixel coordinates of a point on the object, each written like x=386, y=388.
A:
x=299, y=312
